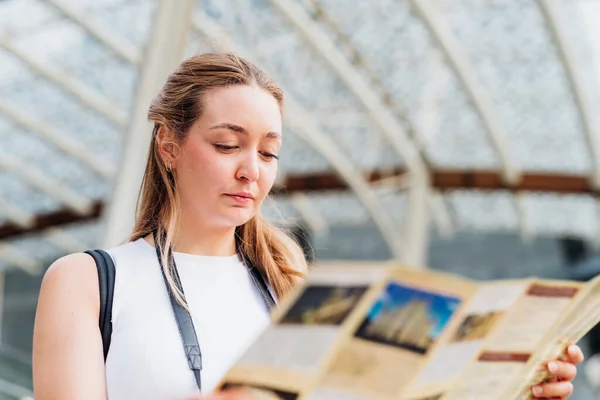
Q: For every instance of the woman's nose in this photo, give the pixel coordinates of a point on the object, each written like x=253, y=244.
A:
x=249, y=169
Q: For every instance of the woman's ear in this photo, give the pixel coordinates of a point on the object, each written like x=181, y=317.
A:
x=167, y=146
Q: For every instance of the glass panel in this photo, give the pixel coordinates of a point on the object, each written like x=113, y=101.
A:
x=38, y=13
x=391, y=45
x=516, y=61
x=479, y=210
x=15, y=191
x=355, y=135
x=301, y=72
x=298, y=157
x=47, y=102
x=340, y=208
x=42, y=156
x=130, y=20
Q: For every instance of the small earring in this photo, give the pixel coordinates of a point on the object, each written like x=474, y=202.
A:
x=170, y=167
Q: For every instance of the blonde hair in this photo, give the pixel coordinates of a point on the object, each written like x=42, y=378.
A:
x=177, y=106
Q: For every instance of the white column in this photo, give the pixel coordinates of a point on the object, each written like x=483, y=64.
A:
x=165, y=50
x=416, y=228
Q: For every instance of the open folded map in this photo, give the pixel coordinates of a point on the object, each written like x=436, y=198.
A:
x=360, y=331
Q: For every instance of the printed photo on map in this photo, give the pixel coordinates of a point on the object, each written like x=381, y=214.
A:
x=407, y=317
x=476, y=326
x=324, y=305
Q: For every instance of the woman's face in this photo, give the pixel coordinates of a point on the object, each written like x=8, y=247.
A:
x=227, y=164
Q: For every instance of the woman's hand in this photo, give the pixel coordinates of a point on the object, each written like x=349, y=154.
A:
x=562, y=373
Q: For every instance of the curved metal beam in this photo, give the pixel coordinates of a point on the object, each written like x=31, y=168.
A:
x=121, y=48
x=38, y=179
x=357, y=61
x=309, y=129
x=438, y=213
x=459, y=61
x=308, y=212
x=62, y=142
x=552, y=11
x=64, y=240
x=417, y=216
x=83, y=93
x=17, y=216
x=441, y=214
x=311, y=132
x=16, y=257
x=370, y=100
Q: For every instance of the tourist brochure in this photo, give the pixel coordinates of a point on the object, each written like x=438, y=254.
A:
x=378, y=331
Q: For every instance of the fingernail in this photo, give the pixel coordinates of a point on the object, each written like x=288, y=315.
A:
x=571, y=350
x=552, y=367
x=537, y=390
x=542, y=367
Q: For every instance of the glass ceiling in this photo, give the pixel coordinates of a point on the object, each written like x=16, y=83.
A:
x=69, y=73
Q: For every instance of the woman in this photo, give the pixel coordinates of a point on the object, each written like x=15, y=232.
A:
x=212, y=162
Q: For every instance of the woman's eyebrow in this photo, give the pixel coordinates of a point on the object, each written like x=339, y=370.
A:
x=240, y=129
x=231, y=127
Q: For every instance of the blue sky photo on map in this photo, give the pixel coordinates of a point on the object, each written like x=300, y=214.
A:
x=395, y=297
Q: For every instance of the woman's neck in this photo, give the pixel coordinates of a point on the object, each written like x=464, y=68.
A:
x=206, y=242
x=203, y=240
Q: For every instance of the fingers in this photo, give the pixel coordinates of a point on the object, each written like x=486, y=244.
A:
x=564, y=371
x=559, y=390
x=574, y=354
x=558, y=385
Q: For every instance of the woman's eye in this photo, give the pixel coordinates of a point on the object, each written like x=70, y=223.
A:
x=270, y=155
x=225, y=147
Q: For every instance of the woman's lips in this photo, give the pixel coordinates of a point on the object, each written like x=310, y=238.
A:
x=241, y=199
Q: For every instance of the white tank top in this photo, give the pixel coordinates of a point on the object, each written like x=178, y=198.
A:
x=146, y=358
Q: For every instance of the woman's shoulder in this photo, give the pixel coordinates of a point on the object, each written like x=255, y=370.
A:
x=79, y=269
x=76, y=275
x=71, y=267
x=72, y=279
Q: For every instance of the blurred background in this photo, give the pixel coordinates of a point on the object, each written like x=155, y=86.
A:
x=459, y=135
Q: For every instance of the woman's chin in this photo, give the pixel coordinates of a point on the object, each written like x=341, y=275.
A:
x=238, y=217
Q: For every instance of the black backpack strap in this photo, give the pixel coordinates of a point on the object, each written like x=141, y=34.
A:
x=106, y=281
x=185, y=324
x=260, y=282
x=256, y=274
